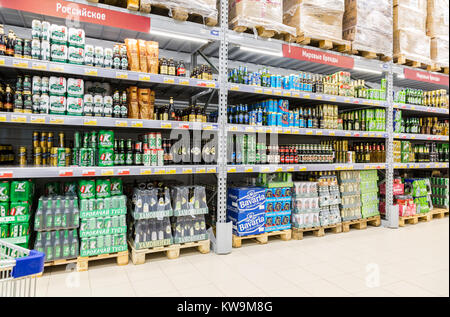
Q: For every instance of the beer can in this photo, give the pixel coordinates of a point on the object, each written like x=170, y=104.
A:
x=100, y=241
x=76, y=139
x=93, y=139
x=107, y=202
x=84, y=244
x=115, y=239
x=83, y=222
x=75, y=157
x=154, y=158
x=152, y=141
x=49, y=140
x=37, y=156
x=115, y=221
x=92, y=243
x=100, y=223
x=122, y=221
x=160, y=157
x=43, y=139
x=84, y=206
x=107, y=241
x=61, y=156
x=68, y=156
x=158, y=144
x=92, y=223
x=4, y=231
x=100, y=203
x=36, y=49
x=147, y=157
x=84, y=157
x=107, y=222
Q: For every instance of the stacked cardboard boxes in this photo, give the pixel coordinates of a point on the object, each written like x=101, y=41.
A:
x=437, y=28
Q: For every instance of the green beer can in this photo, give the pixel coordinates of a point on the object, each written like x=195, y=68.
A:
x=105, y=157
x=102, y=188
x=100, y=241
x=77, y=139
x=61, y=157
x=84, y=244
x=93, y=139
x=106, y=139
x=108, y=222
x=4, y=231
x=4, y=191
x=116, y=186
x=86, y=189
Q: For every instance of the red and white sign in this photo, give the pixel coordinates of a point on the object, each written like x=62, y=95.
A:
x=81, y=12
x=314, y=56
x=426, y=77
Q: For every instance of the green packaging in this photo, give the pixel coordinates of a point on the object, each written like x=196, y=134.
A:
x=70, y=188
x=52, y=189
x=116, y=186
x=21, y=190
x=86, y=189
x=106, y=157
x=4, y=209
x=4, y=231
x=19, y=208
x=4, y=191
x=102, y=188
x=106, y=139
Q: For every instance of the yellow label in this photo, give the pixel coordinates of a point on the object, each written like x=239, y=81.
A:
x=259, y=130
x=331, y=133
x=207, y=127
x=258, y=90
x=287, y=131
x=265, y=170
x=319, y=132
x=2, y=61
x=295, y=94
x=232, y=170
x=318, y=96
x=428, y=166
x=90, y=72
x=234, y=87
x=211, y=170
x=269, y=130
x=137, y=124
x=249, y=170
x=211, y=85
x=21, y=119
x=37, y=120
x=2, y=118
x=413, y=107
x=146, y=172
x=372, y=134
x=268, y=91
x=287, y=93
x=249, y=129
x=333, y=99
x=168, y=80
x=233, y=128
x=277, y=92
x=56, y=68
x=348, y=134
x=17, y=63
x=290, y=169
x=306, y=96
x=107, y=172
x=160, y=171
x=279, y=169
x=308, y=132
x=40, y=66
x=200, y=170
x=295, y=131
x=302, y=168
x=184, y=82
x=166, y=125
x=187, y=170
x=413, y=136
x=121, y=75
x=120, y=123
x=91, y=122
x=279, y=130
x=144, y=77
x=171, y=171
x=368, y=167
x=347, y=100
x=365, y=135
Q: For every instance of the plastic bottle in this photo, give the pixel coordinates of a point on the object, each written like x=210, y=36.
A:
x=39, y=218
x=49, y=249
x=58, y=213
x=75, y=212
x=74, y=244
x=57, y=244
x=38, y=245
x=65, y=217
x=66, y=245
x=49, y=214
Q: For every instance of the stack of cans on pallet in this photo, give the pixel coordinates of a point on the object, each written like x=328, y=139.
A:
x=56, y=221
x=350, y=193
x=329, y=200
x=102, y=211
x=439, y=191
x=305, y=209
x=369, y=193
x=15, y=205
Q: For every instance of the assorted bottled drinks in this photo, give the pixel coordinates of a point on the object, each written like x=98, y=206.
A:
x=407, y=152
x=433, y=98
x=7, y=156
x=357, y=152
x=363, y=120
x=425, y=125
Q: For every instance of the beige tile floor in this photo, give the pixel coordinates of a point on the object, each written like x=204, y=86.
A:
x=410, y=261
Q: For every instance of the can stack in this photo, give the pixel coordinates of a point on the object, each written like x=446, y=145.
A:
x=102, y=211
x=440, y=191
x=15, y=205
x=56, y=221
x=305, y=210
x=329, y=200
x=369, y=193
x=350, y=193
x=45, y=153
x=153, y=153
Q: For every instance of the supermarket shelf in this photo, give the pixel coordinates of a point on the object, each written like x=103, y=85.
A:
x=438, y=80
x=417, y=108
x=273, y=92
x=49, y=172
x=103, y=73
x=303, y=167
x=427, y=137
x=12, y=117
x=420, y=165
x=302, y=131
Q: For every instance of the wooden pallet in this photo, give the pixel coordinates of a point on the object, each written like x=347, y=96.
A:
x=439, y=213
x=297, y=233
x=436, y=68
x=262, y=238
x=371, y=55
x=172, y=251
x=414, y=219
x=261, y=31
x=404, y=60
x=179, y=14
x=341, y=46
x=361, y=223
x=83, y=262
x=57, y=262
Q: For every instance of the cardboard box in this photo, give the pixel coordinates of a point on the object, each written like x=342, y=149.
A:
x=409, y=18
x=413, y=45
x=437, y=18
x=440, y=51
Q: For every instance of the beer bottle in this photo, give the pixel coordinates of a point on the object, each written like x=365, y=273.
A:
x=10, y=43
x=181, y=69
x=171, y=70
x=122, y=152
x=129, y=153
x=165, y=113
x=116, y=152
x=356, y=122
x=192, y=116
x=8, y=104
x=2, y=41
x=137, y=156
x=163, y=69
x=116, y=104
x=124, y=105
x=171, y=110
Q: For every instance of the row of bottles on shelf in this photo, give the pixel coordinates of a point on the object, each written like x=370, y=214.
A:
x=432, y=98
x=423, y=125
x=407, y=152
x=103, y=149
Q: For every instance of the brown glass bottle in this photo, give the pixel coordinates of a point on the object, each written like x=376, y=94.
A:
x=9, y=99
x=2, y=41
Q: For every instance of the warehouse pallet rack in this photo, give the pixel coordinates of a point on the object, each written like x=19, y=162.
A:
x=220, y=46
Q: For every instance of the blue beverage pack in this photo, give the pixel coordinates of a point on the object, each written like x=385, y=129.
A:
x=246, y=210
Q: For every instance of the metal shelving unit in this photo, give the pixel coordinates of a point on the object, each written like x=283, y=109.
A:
x=224, y=48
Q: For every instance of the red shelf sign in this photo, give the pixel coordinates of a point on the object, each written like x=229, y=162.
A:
x=81, y=12
x=426, y=77
x=313, y=56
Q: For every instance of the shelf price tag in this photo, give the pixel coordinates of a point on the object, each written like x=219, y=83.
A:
x=200, y=170
x=319, y=96
x=2, y=61
x=146, y=171
x=277, y=92
x=17, y=118
x=107, y=172
x=332, y=98
x=160, y=171
x=302, y=168
x=65, y=173
x=211, y=85
x=56, y=68
x=121, y=123
x=371, y=135
x=122, y=75
x=258, y=90
x=259, y=130
x=2, y=117
x=290, y=169
x=365, y=135
x=249, y=170
x=287, y=131
x=306, y=96
x=309, y=132
x=279, y=169
x=185, y=82
x=169, y=80
x=295, y=131
x=232, y=170
x=331, y=133
x=296, y=94
x=40, y=66
x=144, y=77
x=165, y=125
x=268, y=91
x=319, y=132
x=187, y=170
x=171, y=171
x=88, y=173
x=269, y=130
x=233, y=128
x=90, y=72
x=37, y=119
x=91, y=122
x=234, y=87
x=265, y=170
x=123, y=172
x=56, y=120
x=347, y=100
x=6, y=174
x=249, y=129
x=19, y=63
x=137, y=124
x=211, y=170
x=287, y=93
x=279, y=130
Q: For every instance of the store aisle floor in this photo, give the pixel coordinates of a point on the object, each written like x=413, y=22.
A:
x=410, y=261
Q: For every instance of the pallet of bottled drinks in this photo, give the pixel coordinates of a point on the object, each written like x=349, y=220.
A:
x=414, y=219
x=361, y=223
x=298, y=233
x=439, y=213
x=262, y=238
